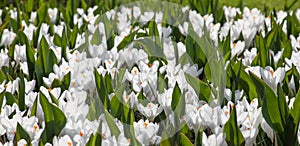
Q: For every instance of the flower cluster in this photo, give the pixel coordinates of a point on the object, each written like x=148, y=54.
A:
x=130, y=77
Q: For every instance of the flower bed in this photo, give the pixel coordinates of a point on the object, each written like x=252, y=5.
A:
x=145, y=75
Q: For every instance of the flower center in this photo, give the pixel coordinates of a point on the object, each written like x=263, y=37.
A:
x=145, y=124
x=272, y=72
x=149, y=105
x=69, y=143
x=234, y=45
x=35, y=128
x=226, y=113
x=150, y=65
x=73, y=84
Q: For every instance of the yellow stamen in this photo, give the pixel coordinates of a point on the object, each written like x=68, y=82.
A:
x=150, y=65
x=35, y=128
x=226, y=113
x=149, y=105
x=272, y=72
x=234, y=45
x=69, y=143
x=145, y=124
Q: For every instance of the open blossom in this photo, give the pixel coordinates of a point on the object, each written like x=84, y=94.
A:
x=271, y=77
x=146, y=131
x=150, y=110
x=237, y=48
x=7, y=37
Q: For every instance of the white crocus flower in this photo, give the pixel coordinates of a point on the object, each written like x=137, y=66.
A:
x=197, y=22
x=136, y=12
x=150, y=111
x=7, y=37
x=237, y=94
x=255, y=70
x=295, y=42
x=248, y=34
x=249, y=56
x=192, y=116
x=267, y=129
x=52, y=14
x=145, y=131
x=2, y=87
x=165, y=100
x=24, y=67
x=10, y=125
x=230, y=12
x=20, y=53
x=64, y=140
x=12, y=86
x=4, y=58
x=130, y=99
x=147, y=16
x=271, y=77
x=22, y=142
x=184, y=28
x=122, y=140
x=213, y=140
x=57, y=51
x=237, y=48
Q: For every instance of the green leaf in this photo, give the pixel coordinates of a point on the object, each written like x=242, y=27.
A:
x=55, y=120
x=2, y=76
x=151, y=47
x=101, y=89
x=126, y=41
x=184, y=140
x=153, y=31
x=29, y=4
x=45, y=61
x=1, y=98
x=42, y=13
x=201, y=88
x=198, y=141
x=21, y=92
x=295, y=111
x=34, y=107
x=161, y=83
x=10, y=99
x=94, y=109
x=176, y=95
x=97, y=138
x=29, y=56
x=96, y=38
x=234, y=136
x=22, y=134
x=111, y=124
x=64, y=84
x=64, y=44
x=262, y=51
x=57, y=40
x=73, y=36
